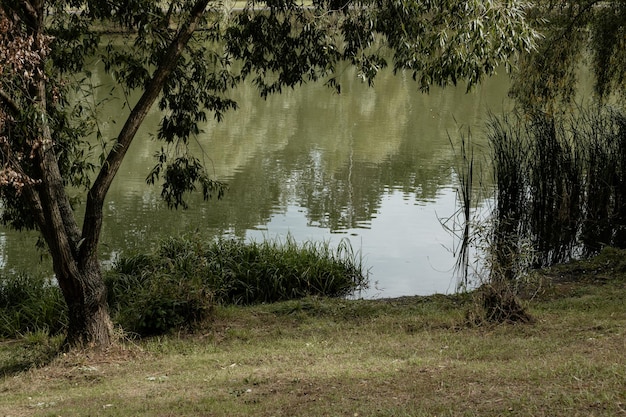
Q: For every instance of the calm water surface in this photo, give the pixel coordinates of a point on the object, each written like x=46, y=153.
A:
x=372, y=165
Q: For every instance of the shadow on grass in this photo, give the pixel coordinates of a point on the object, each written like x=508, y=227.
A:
x=19, y=355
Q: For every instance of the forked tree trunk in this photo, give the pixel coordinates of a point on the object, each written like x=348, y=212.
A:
x=78, y=273
x=44, y=196
x=74, y=252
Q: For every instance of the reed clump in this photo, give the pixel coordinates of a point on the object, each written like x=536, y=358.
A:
x=559, y=194
x=560, y=187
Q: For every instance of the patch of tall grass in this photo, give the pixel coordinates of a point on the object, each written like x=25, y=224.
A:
x=177, y=284
x=30, y=304
x=560, y=187
x=275, y=270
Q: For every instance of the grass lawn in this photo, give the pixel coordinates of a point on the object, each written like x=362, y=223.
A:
x=319, y=357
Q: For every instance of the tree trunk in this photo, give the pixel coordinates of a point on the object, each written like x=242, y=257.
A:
x=89, y=320
x=80, y=279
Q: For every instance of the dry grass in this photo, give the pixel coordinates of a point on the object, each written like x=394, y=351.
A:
x=317, y=357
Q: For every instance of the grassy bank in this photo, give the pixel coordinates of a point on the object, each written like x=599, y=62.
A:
x=322, y=357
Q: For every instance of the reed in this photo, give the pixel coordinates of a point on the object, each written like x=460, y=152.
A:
x=560, y=187
x=604, y=221
x=494, y=299
x=462, y=224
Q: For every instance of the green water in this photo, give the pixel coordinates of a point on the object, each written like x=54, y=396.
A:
x=373, y=165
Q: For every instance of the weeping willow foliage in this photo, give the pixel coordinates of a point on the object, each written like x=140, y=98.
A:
x=574, y=33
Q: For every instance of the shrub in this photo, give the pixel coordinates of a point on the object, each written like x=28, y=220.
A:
x=147, y=296
x=175, y=286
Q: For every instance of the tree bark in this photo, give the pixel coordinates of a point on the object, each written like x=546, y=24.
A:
x=89, y=320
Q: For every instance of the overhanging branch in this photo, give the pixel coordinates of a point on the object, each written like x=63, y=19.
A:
x=9, y=103
x=92, y=224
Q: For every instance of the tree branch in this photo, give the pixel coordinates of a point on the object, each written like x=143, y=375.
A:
x=9, y=103
x=31, y=11
x=92, y=224
x=59, y=227
x=31, y=194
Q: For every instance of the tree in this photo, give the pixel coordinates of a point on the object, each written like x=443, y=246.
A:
x=181, y=55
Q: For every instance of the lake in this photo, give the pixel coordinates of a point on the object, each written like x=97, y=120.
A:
x=372, y=165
